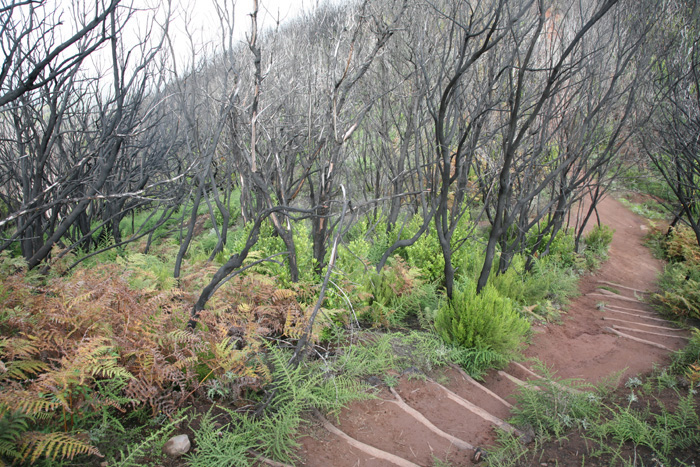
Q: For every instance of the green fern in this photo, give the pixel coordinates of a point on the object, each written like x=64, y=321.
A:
x=556, y=405
x=221, y=446
x=12, y=426
x=294, y=391
x=133, y=455
x=662, y=433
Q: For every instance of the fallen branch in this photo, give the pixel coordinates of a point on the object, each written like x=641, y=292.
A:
x=428, y=424
x=259, y=457
x=366, y=448
x=637, y=339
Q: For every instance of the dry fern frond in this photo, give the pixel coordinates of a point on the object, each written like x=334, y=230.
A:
x=28, y=402
x=282, y=295
x=19, y=347
x=53, y=445
x=21, y=369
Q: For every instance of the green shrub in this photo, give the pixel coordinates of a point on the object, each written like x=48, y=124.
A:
x=427, y=351
x=426, y=255
x=561, y=250
x=544, y=282
x=483, y=321
x=599, y=238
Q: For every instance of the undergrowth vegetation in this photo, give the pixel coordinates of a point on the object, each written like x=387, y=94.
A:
x=482, y=321
x=648, y=421
x=97, y=361
x=680, y=281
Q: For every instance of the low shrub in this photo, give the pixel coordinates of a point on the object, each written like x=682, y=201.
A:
x=484, y=321
x=599, y=239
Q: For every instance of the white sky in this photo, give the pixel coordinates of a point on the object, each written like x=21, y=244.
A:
x=204, y=20
x=199, y=17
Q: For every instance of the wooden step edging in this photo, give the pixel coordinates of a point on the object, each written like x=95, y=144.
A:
x=620, y=286
x=623, y=328
x=475, y=409
x=461, y=444
x=554, y=383
x=665, y=328
x=613, y=296
x=366, y=448
x=661, y=320
x=481, y=386
x=518, y=381
x=636, y=310
x=637, y=339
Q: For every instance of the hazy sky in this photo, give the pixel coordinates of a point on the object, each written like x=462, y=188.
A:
x=202, y=14
x=198, y=17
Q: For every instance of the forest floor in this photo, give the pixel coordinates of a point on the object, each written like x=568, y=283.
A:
x=441, y=419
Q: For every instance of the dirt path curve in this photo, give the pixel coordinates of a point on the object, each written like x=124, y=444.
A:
x=607, y=329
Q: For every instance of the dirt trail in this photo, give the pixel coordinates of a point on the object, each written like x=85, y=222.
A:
x=607, y=329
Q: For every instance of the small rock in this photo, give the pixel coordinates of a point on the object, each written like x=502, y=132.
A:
x=528, y=436
x=177, y=446
x=374, y=381
x=479, y=455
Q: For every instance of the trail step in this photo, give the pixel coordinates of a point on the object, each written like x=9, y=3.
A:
x=637, y=339
x=366, y=448
x=481, y=386
x=636, y=310
x=475, y=409
x=518, y=381
x=665, y=328
x=638, y=316
x=554, y=383
x=620, y=286
x=623, y=328
x=461, y=444
x=613, y=296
